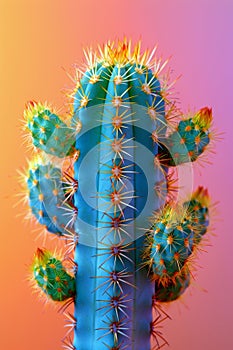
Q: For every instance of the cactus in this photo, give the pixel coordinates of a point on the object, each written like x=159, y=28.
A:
x=51, y=276
x=189, y=140
x=110, y=198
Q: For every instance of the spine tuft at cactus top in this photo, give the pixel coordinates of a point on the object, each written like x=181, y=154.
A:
x=102, y=181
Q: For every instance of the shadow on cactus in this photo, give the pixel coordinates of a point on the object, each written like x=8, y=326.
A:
x=102, y=182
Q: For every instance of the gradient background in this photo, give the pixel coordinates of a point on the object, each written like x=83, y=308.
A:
x=38, y=38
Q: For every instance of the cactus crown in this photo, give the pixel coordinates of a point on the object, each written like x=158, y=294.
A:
x=120, y=54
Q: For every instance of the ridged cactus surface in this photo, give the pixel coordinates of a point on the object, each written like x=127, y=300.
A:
x=101, y=181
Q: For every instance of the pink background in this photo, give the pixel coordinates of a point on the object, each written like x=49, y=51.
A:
x=38, y=38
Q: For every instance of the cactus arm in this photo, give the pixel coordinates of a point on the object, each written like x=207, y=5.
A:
x=175, y=235
x=51, y=277
x=189, y=141
x=47, y=198
x=48, y=132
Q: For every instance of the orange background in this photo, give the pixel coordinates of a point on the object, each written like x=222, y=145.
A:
x=38, y=38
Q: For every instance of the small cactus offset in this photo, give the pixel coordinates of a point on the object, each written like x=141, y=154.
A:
x=51, y=276
x=101, y=182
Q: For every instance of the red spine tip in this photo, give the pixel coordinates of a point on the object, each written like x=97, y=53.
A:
x=30, y=104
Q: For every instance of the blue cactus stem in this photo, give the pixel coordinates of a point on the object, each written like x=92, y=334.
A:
x=112, y=278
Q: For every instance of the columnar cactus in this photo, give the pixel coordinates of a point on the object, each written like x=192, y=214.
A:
x=105, y=189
